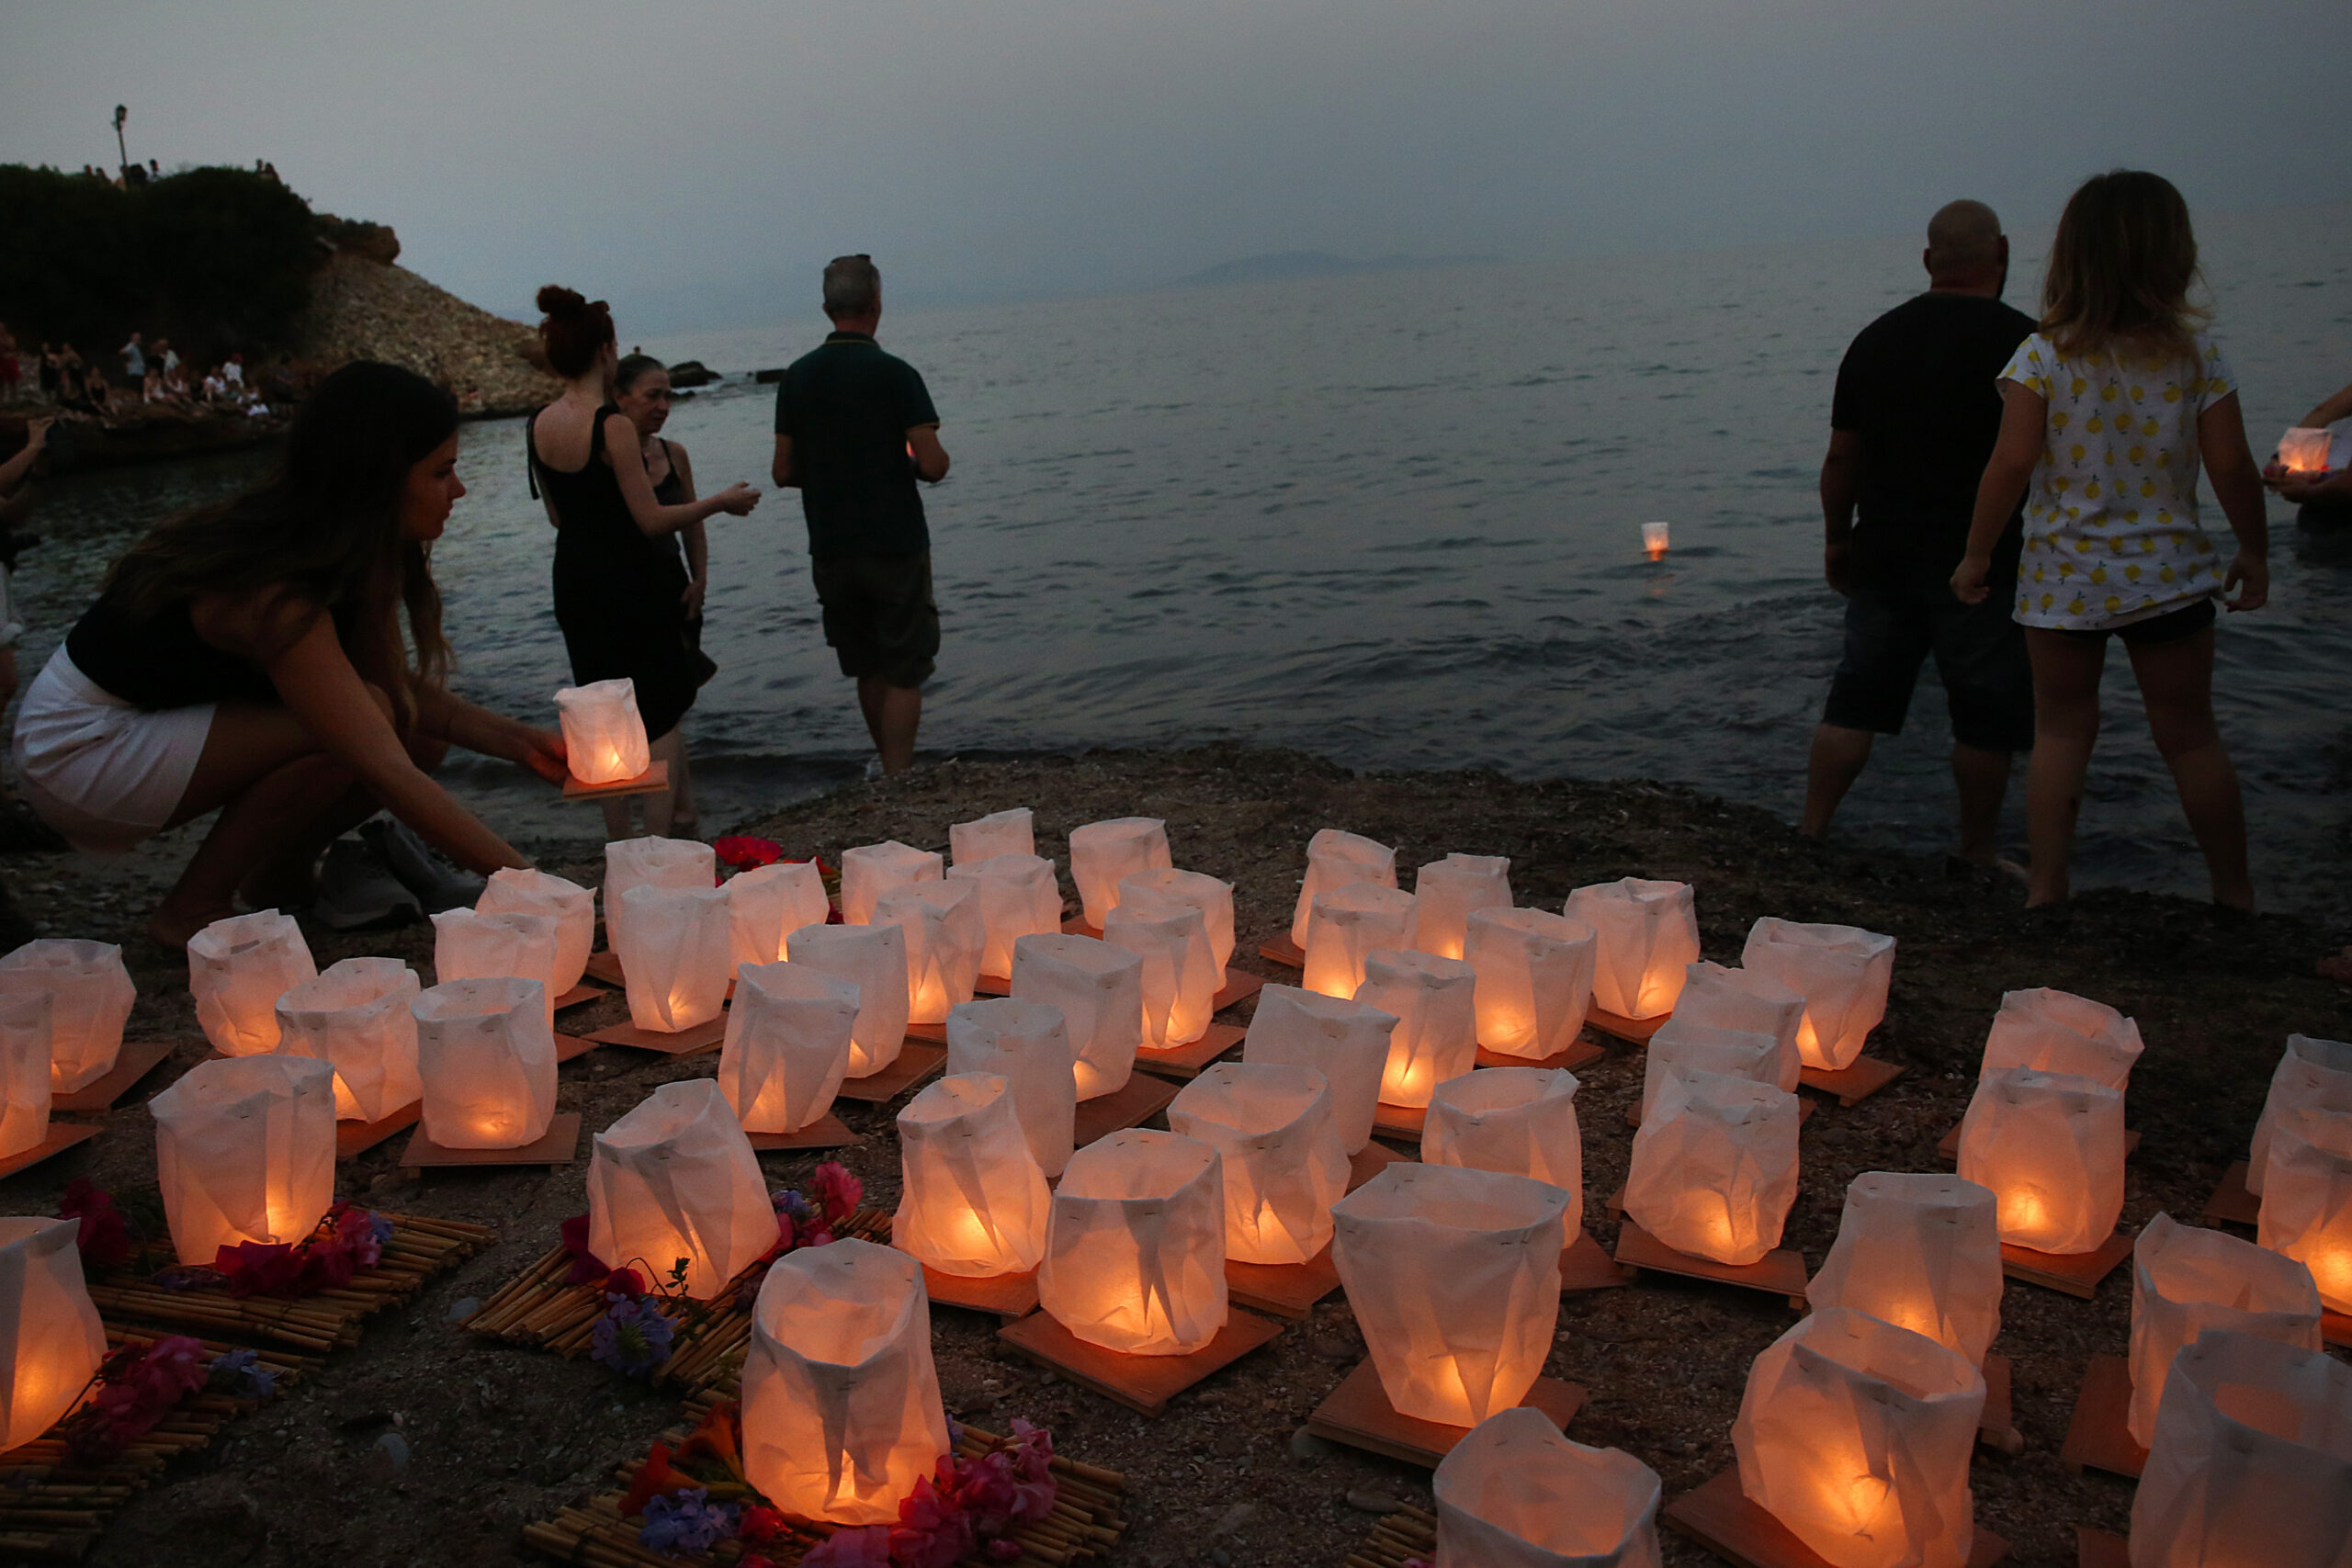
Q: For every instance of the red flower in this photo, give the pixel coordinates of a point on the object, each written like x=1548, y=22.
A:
x=741, y=852
x=836, y=1191
x=761, y=1526
x=931, y=1531
x=103, y=1238
x=654, y=1479
x=587, y=1269
x=260, y=1267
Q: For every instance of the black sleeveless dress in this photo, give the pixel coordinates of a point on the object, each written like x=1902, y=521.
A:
x=619, y=593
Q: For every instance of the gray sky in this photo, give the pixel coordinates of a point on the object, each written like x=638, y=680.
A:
x=695, y=162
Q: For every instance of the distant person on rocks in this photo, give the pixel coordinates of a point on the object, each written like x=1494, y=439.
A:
x=52, y=366
x=2328, y=498
x=854, y=430
x=13, y=475
x=1913, y=419
x=166, y=355
x=134, y=358
x=233, y=370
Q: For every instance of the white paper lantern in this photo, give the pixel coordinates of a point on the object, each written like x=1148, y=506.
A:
x=244, y=1151
x=1179, y=972
x=675, y=1180
x=1753, y=1003
x=1018, y=897
x=1646, y=935
x=1714, y=1167
x=1212, y=897
x=1134, y=1255
x=673, y=949
x=1454, y=1278
x=1026, y=1044
x=90, y=998
x=2051, y=1148
x=1010, y=832
x=513, y=891
x=1282, y=1165
x=1841, y=972
x=1102, y=853
x=469, y=945
x=1350, y=923
x=604, y=736
x=1336, y=860
x=1347, y=1042
x=1680, y=1047
x=237, y=969
x=2187, y=1283
x=1856, y=1435
x=51, y=1338
x=2307, y=1199
x=24, y=1072
x=651, y=862
x=2057, y=1031
x=1517, y=1493
x=841, y=1415
x=1447, y=892
x=1436, y=1036
x=766, y=904
x=972, y=1202
x=1534, y=971
x=1519, y=1121
x=945, y=937
x=788, y=1045
x=874, y=959
x=871, y=870
x=1099, y=988
x=487, y=1059
x=355, y=1017
x=1920, y=1251
x=2311, y=1075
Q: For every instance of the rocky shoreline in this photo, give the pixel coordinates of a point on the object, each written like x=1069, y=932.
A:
x=365, y=307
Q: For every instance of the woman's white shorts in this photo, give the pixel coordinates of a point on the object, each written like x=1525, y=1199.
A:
x=106, y=775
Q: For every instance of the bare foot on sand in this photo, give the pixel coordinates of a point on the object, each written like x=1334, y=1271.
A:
x=171, y=925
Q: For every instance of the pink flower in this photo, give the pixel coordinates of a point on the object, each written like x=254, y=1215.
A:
x=931, y=1531
x=742, y=852
x=837, y=1192
x=865, y=1547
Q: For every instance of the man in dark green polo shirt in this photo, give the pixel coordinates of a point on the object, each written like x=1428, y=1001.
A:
x=854, y=430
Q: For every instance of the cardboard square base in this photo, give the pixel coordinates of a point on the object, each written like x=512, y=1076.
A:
x=2076, y=1273
x=1579, y=1053
x=1632, y=1030
x=1719, y=1516
x=1239, y=987
x=1404, y=1121
x=2336, y=1328
x=135, y=1061
x=1781, y=1273
x=684, y=1042
x=1186, y=1061
x=1585, y=1267
x=1358, y=1414
x=1000, y=1295
x=2231, y=1202
x=653, y=780
x=356, y=1137
x=1076, y=926
x=62, y=1135
x=1997, y=1428
x=572, y=1047
x=1283, y=951
x=1853, y=1084
x=559, y=1147
x=1370, y=1161
x=580, y=995
x=1282, y=1290
x=929, y=1033
x=917, y=1060
x=2097, y=1549
x=993, y=986
x=604, y=965
x=1947, y=1147
x=1140, y=1098
x=825, y=1133
x=1142, y=1384
x=2097, y=1434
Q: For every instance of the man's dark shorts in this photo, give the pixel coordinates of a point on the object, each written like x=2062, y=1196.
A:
x=880, y=617
x=1980, y=655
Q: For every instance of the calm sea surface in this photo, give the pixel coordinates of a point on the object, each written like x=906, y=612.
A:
x=1393, y=519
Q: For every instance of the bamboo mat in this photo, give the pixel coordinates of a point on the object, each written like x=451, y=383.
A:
x=1399, y=1538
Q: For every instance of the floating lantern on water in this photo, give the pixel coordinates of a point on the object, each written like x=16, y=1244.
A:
x=1748, y=1001
x=1680, y=1046
x=469, y=945
x=1102, y=853
x=1841, y=972
x=1027, y=1046
x=486, y=1057
x=90, y=997
x=1018, y=897
x=2307, y=1199
x=2057, y=1031
x=355, y=1017
x=1655, y=539
x=1447, y=892
x=1714, y=1167
x=2311, y=1075
x=788, y=1045
x=675, y=1183
x=1517, y=1493
x=1534, y=971
x=1856, y=1434
x=1436, y=1036
x=945, y=937
x=874, y=959
x=1646, y=935
x=842, y=1415
x=1347, y=1042
x=1335, y=860
x=1350, y=922
x=972, y=1202
x=1178, y=971
x=604, y=736
x=51, y=1338
x=573, y=907
x=1280, y=1150
x=2187, y=1283
x=675, y=946
x=2051, y=1148
x=1519, y=1121
x=245, y=1150
x=1922, y=1252
x=1212, y=897
x=1099, y=989
x=1454, y=1276
x=237, y=969
x=766, y=904
x=871, y=870
x=1010, y=832
x=24, y=1072
x=1134, y=1255
x=651, y=862
x=2304, y=449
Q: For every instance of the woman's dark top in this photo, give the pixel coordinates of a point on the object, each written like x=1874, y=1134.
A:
x=619, y=593
x=671, y=491
x=160, y=662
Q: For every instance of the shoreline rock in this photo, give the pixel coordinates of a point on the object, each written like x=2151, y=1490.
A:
x=364, y=308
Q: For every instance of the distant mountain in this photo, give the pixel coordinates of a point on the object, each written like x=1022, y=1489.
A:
x=1277, y=266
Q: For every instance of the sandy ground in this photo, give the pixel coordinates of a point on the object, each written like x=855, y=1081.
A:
x=496, y=1435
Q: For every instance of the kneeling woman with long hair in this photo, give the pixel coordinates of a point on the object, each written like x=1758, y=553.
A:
x=249, y=659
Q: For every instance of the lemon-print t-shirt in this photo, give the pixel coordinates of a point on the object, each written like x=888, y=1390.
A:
x=2110, y=525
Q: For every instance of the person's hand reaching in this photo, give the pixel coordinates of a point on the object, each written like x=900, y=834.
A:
x=2250, y=575
x=1968, y=582
x=1838, y=568
x=546, y=755
x=736, y=500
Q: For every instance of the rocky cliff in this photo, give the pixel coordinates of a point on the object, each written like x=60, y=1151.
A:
x=364, y=305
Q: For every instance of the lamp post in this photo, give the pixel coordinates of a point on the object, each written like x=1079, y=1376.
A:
x=122, y=113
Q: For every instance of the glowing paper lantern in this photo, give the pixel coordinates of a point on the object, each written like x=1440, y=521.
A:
x=2252, y=1461
x=675, y=1181
x=1350, y=923
x=2057, y=1031
x=1534, y=971
x=1748, y=1001
x=1347, y=1042
x=24, y=1072
x=788, y=1045
x=1517, y=1493
x=90, y=996
x=1448, y=891
x=487, y=1059
x=1179, y=972
x=944, y=937
x=1212, y=897
x=573, y=907
x=1026, y=1044
x=469, y=945
x=1714, y=1167
x=1010, y=832
x=871, y=870
x=244, y=1149
x=1018, y=897
x=675, y=946
x=1282, y=1165
x=1102, y=853
x=237, y=969
x=51, y=1338
x=1134, y=1255
x=1857, y=1435
x=604, y=736
x=1647, y=934
x=1336, y=860
x=2311, y=1075
x=2187, y=1283
x=766, y=904
x=1680, y=1046
x=2304, y=449
x=2307, y=1199
x=2051, y=1148
x=1454, y=1276
x=1840, y=971
x=972, y=1202
x=1099, y=988
x=874, y=959
x=1519, y=1121
x=1436, y=1036
x=1922, y=1252
x=1655, y=539
x=355, y=1017
x=841, y=1415
x=651, y=862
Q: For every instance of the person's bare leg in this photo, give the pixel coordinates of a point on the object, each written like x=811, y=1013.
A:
x=1981, y=778
x=663, y=811
x=616, y=819
x=1838, y=754
x=870, y=689
x=2065, y=727
x=901, y=716
x=249, y=846
x=2176, y=684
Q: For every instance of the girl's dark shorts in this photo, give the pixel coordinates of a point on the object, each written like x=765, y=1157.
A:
x=880, y=616
x=2171, y=626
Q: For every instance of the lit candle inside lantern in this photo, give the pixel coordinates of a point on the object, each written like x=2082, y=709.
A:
x=1026, y=1044
x=651, y=862
x=1519, y=1121
x=2057, y=1031
x=604, y=737
x=2313, y=1075
x=788, y=1045
x=1180, y=972
x=1212, y=897
x=1647, y=936
x=1018, y=897
x=1135, y=1253
x=1841, y=972
x=945, y=936
x=1099, y=988
x=1655, y=539
x=487, y=1058
x=1534, y=972
x=1102, y=853
x=1283, y=1168
x=874, y=959
x=868, y=871
x=245, y=1148
x=2188, y=1283
x=1437, y=1027
x=24, y=1072
x=1448, y=891
x=515, y=891
x=675, y=1180
x=1337, y=859
x=1350, y=922
x=972, y=1202
x=1714, y=1167
x=90, y=998
x=766, y=904
x=2304, y=449
x=1920, y=1251
x=356, y=1017
x=2051, y=1148
x=51, y=1338
x=1347, y=1042
x=2307, y=1198
x=237, y=968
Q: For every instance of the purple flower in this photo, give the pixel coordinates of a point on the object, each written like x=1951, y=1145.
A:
x=631, y=1338
x=789, y=1201
x=687, y=1524
x=241, y=1373
x=382, y=1227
